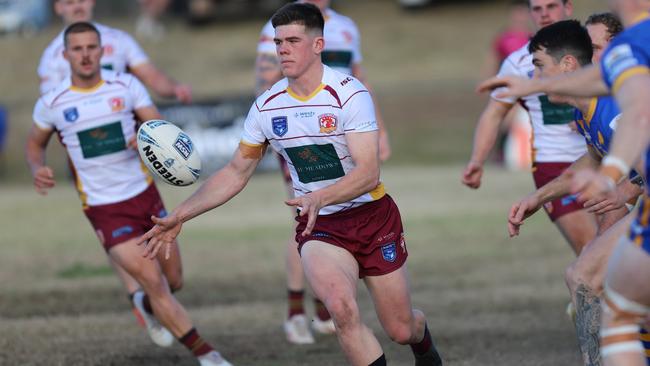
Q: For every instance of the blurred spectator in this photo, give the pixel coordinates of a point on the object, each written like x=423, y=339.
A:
x=3, y=137
x=23, y=16
x=149, y=25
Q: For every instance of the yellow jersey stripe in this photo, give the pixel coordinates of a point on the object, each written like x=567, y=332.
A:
x=307, y=98
x=378, y=192
x=591, y=111
x=87, y=90
x=636, y=70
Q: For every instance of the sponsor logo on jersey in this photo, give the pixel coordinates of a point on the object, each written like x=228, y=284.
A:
x=304, y=114
x=389, y=252
x=346, y=80
x=71, y=114
x=280, y=125
x=619, y=59
x=327, y=123
x=183, y=145
x=116, y=103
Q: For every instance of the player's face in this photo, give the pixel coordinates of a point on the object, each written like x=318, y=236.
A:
x=600, y=38
x=547, y=12
x=84, y=52
x=296, y=49
x=73, y=11
x=545, y=65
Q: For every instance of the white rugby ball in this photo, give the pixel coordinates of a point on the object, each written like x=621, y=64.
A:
x=168, y=152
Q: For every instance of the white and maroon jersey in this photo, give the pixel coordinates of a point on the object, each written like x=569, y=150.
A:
x=310, y=132
x=95, y=125
x=553, y=138
x=120, y=51
x=342, y=42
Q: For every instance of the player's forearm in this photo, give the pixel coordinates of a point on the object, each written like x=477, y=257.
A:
x=214, y=192
x=485, y=134
x=357, y=182
x=586, y=82
x=561, y=185
x=629, y=191
x=35, y=155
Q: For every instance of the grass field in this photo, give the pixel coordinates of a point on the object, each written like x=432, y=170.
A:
x=490, y=300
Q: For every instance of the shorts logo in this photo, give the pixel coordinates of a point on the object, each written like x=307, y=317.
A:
x=117, y=104
x=122, y=231
x=320, y=235
x=162, y=213
x=183, y=145
x=327, y=123
x=389, y=252
x=280, y=125
x=71, y=114
x=569, y=200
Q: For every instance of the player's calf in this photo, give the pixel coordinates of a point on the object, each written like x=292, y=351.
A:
x=619, y=336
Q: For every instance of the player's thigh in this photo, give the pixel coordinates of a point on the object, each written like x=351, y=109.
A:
x=391, y=296
x=629, y=270
x=578, y=227
x=591, y=265
x=332, y=271
x=129, y=256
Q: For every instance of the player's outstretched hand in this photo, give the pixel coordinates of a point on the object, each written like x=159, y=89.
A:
x=472, y=175
x=310, y=205
x=608, y=202
x=183, y=93
x=521, y=211
x=515, y=87
x=589, y=185
x=163, y=234
x=43, y=179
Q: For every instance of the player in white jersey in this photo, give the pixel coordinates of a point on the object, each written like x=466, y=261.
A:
x=323, y=123
x=342, y=52
x=121, y=53
x=555, y=144
x=94, y=112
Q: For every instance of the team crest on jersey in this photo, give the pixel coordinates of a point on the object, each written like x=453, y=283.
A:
x=280, y=125
x=327, y=123
x=71, y=114
x=389, y=252
x=108, y=50
x=183, y=145
x=117, y=104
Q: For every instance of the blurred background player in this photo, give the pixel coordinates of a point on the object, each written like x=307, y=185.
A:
x=121, y=53
x=117, y=194
x=513, y=142
x=342, y=52
x=148, y=25
x=555, y=144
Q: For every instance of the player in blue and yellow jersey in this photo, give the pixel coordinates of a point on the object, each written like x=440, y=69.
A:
x=625, y=72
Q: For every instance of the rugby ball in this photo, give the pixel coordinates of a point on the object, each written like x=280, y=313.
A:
x=168, y=152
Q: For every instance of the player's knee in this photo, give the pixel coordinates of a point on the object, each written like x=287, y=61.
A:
x=175, y=282
x=571, y=277
x=621, y=319
x=344, y=310
x=401, y=333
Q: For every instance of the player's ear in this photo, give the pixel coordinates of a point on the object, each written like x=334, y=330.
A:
x=569, y=63
x=319, y=44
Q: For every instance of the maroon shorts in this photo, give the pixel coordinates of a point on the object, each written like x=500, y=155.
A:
x=116, y=223
x=372, y=233
x=546, y=172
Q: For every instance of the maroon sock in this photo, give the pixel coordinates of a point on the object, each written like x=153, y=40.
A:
x=321, y=310
x=193, y=341
x=296, y=302
x=146, y=304
x=424, y=345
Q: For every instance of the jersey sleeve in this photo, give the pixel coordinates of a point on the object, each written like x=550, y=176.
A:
x=580, y=122
x=42, y=117
x=356, y=51
x=141, y=98
x=508, y=68
x=47, y=73
x=135, y=55
x=253, y=134
x=358, y=114
x=265, y=43
x=621, y=61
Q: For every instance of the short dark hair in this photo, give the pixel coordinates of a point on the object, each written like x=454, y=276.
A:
x=80, y=27
x=567, y=37
x=563, y=2
x=299, y=13
x=609, y=20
